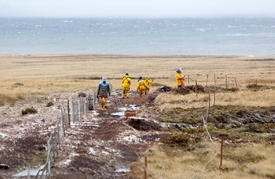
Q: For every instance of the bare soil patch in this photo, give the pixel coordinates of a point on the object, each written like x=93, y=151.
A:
x=99, y=150
x=108, y=145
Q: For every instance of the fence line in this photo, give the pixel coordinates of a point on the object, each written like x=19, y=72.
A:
x=76, y=109
x=204, y=119
x=53, y=147
x=225, y=81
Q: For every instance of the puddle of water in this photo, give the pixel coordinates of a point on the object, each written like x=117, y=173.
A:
x=122, y=110
x=29, y=172
x=123, y=170
x=92, y=151
x=119, y=114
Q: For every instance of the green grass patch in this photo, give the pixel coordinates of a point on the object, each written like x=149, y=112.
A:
x=18, y=84
x=230, y=89
x=254, y=87
x=49, y=104
x=28, y=111
x=245, y=157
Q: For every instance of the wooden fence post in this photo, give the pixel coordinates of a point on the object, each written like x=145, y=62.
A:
x=202, y=123
x=221, y=155
x=214, y=101
x=214, y=79
x=206, y=79
x=145, y=170
x=225, y=81
x=209, y=100
x=196, y=89
x=69, y=117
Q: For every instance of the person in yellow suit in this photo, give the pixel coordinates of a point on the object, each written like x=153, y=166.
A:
x=126, y=83
x=142, y=86
x=148, y=83
x=179, y=78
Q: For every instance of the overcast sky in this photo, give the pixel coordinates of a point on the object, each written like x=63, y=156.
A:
x=137, y=8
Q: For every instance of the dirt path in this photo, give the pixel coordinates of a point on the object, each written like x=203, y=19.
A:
x=103, y=145
x=106, y=145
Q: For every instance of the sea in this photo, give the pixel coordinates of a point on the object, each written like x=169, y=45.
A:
x=179, y=36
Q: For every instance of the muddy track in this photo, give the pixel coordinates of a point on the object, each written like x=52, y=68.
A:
x=105, y=145
x=109, y=146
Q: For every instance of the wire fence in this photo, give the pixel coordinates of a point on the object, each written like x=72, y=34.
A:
x=54, y=145
x=74, y=111
x=217, y=150
x=226, y=82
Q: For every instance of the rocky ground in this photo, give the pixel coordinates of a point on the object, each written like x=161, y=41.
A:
x=104, y=143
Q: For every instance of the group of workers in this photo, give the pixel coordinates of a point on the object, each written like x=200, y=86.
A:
x=143, y=86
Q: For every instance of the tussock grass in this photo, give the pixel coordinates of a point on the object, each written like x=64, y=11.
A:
x=247, y=98
x=260, y=81
x=239, y=162
x=28, y=111
x=10, y=94
x=10, y=99
x=49, y=104
x=242, y=98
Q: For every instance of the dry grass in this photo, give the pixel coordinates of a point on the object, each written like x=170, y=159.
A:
x=239, y=161
x=50, y=73
x=23, y=76
x=115, y=66
x=16, y=89
x=247, y=98
x=262, y=98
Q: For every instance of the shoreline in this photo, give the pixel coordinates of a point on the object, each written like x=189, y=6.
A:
x=135, y=55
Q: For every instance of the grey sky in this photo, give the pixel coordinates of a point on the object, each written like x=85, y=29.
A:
x=137, y=8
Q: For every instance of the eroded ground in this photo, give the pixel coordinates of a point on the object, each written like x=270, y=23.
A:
x=104, y=145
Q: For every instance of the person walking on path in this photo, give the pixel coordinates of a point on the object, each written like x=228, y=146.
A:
x=141, y=86
x=103, y=91
x=148, y=82
x=126, y=83
x=179, y=78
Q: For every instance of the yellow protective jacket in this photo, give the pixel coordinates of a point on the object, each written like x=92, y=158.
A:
x=179, y=78
x=148, y=82
x=142, y=86
x=126, y=81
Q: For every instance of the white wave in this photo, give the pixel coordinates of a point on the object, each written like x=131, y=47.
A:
x=201, y=30
x=239, y=34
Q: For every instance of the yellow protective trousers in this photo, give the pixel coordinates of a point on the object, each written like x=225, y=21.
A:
x=125, y=90
x=103, y=102
x=142, y=90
